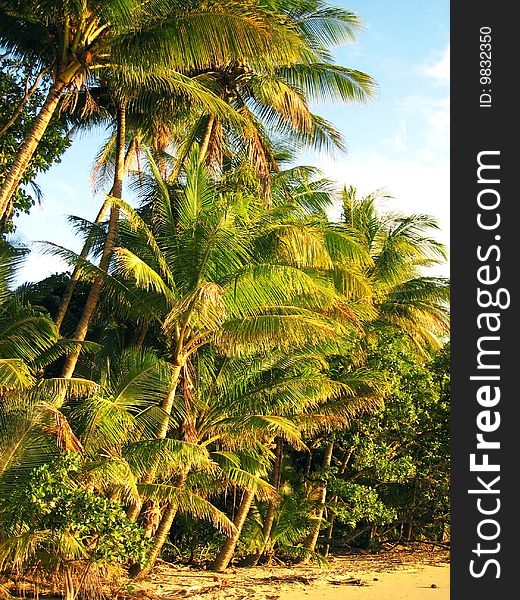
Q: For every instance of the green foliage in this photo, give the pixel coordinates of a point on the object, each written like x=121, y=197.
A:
x=402, y=451
x=292, y=523
x=357, y=503
x=58, y=505
x=246, y=347
x=192, y=541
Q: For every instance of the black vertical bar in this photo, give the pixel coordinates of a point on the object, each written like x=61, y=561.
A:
x=485, y=127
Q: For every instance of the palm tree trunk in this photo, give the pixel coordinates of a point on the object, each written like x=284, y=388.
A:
x=97, y=285
x=135, y=506
x=207, y=138
x=74, y=278
x=225, y=554
x=69, y=584
x=184, y=154
x=24, y=155
x=140, y=335
x=312, y=538
x=162, y=531
x=152, y=513
x=330, y=529
x=167, y=403
x=160, y=538
x=271, y=507
x=308, y=463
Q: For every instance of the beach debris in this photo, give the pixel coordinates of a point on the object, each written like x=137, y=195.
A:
x=191, y=591
x=305, y=579
x=349, y=581
x=433, y=585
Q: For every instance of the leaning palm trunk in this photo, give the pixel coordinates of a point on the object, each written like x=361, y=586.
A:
x=330, y=528
x=330, y=531
x=110, y=240
x=271, y=507
x=181, y=159
x=207, y=138
x=70, y=593
x=136, y=505
x=225, y=554
x=312, y=538
x=161, y=534
x=24, y=155
x=140, y=335
x=74, y=278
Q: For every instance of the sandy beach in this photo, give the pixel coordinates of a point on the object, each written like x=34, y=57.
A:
x=400, y=574
x=407, y=584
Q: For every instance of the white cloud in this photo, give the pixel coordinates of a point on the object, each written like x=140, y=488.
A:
x=435, y=112
x=416, y=186
x=399, y=142
x=437, y=117
x=440, y=69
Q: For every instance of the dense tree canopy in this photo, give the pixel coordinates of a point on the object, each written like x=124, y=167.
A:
x=223, y=372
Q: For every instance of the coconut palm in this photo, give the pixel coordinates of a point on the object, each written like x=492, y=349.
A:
x=33, y=428
x=126, y=102
x=152, y=100
x=362, y=390
x=120, y=423
x=110, y=428
x=122, y=105
x=209, y=273
x=273, y=106
x=273, y=95
x=42, y=521
x=274, y=98
x=25, y=333
x=75, y=42
x=201, y=271
x=400, y=248
x=29, y=402
x=296, y=387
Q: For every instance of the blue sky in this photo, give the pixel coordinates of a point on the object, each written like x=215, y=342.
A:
x=398, y=142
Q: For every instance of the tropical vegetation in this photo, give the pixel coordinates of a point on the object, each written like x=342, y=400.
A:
x=223, y=373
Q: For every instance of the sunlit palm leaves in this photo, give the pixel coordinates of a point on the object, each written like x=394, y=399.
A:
x=77, y=42
x=401, y=247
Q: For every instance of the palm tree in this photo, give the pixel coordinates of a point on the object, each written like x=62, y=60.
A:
x=33, y=429
x=77, y=41
x=403, y=297
x=198, y=92
x=200, y=271
x=401, y=248
x=127, y=108
x=318, y=79
x=274, y=99
x=120, y=422
x=196, y=258
x=25, y=333
x=110, y=428
x=362, y=390
x=126, y=101
x=295, y=388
